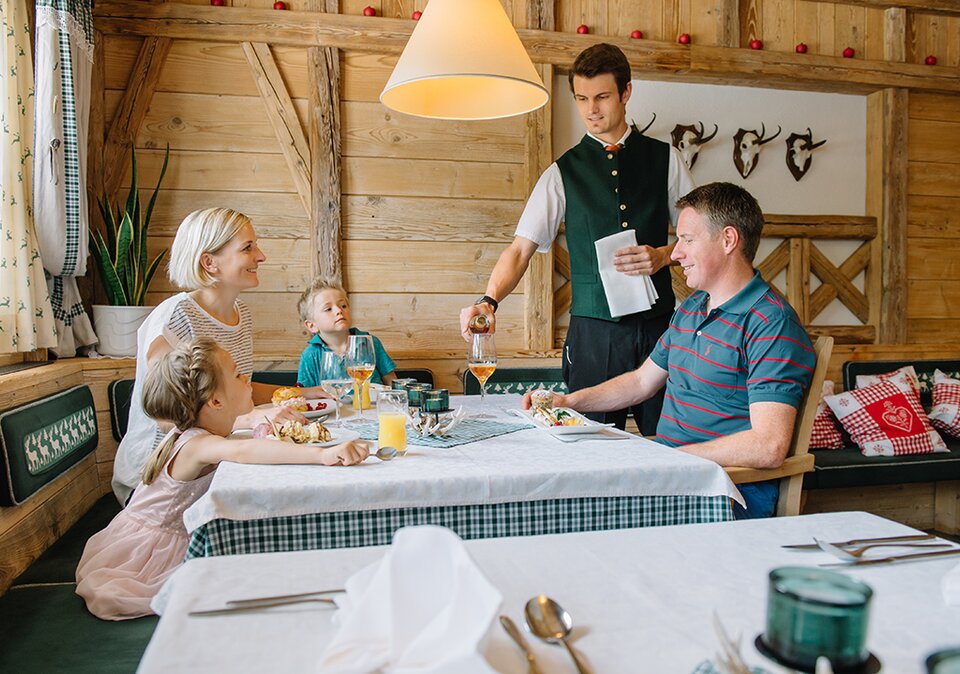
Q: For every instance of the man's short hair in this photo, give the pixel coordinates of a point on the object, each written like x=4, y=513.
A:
x=728, y=205
x=600, y=59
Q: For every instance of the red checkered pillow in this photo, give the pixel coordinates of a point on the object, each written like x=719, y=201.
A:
x=886, y=419
x=905, y=374
x=825, y=434
x=945, y=414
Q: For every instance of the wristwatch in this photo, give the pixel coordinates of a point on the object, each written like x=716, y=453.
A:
x=489, y=300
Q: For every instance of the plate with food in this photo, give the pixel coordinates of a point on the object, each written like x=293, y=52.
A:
x=313, y=433
x=289, y=396
x=562, y=421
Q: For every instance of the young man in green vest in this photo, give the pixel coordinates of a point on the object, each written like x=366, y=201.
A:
x=614, y=180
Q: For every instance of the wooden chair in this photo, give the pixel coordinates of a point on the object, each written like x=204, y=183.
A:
x=799, y=460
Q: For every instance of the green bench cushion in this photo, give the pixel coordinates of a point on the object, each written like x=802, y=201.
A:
x=41, y=440
x=517, y=380
x=847, y=467
x=120, y=393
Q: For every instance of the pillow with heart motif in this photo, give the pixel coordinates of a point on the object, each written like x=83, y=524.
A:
x=886, y=419
x=905, y=375
x=945, y=413
x=825, y=434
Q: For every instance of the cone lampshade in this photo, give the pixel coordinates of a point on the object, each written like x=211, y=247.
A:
x=464, y=61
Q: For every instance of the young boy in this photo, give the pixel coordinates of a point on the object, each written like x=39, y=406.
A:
x=325, y=312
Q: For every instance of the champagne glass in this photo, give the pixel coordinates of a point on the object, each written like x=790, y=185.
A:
x=482, y=361
x=334, y=379
x=360, y=360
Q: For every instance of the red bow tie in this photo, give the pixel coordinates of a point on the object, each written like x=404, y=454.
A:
x=613, y=148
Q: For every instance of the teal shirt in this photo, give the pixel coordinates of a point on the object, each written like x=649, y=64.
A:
x=308, y=374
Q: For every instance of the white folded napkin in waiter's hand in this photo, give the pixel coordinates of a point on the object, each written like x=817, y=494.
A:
x=625, y=294
x=423, y=608
x=951, y=587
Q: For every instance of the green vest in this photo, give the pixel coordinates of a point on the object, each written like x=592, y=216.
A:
x=607, y=193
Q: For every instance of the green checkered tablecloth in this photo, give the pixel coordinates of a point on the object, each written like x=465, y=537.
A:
x=467, y=431
x=320, y=531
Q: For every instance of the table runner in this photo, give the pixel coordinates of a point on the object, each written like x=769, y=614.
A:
x=469, y=430
x=322, y=531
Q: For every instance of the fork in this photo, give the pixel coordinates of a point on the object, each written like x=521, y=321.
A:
x=857, y=553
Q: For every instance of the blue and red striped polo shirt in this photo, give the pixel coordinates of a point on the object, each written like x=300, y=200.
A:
x=750, y=349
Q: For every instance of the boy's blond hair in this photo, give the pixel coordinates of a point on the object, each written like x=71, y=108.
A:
x=204, y=231
x=176, y=389
x=320, y=283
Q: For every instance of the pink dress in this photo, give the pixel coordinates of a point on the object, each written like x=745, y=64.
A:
x=124, y=565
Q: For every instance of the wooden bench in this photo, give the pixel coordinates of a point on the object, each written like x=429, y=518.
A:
x=921, y=490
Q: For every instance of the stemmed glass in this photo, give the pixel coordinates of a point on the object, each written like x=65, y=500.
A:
x=482, y=361
x=334, y=379
x=361, y=360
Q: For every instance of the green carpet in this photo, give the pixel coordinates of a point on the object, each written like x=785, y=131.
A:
x=46, y=627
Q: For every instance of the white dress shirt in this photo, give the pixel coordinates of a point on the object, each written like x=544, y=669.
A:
x=547, y=205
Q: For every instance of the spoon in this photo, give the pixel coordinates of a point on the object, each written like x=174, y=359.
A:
x=548, y=621
x=386, y=453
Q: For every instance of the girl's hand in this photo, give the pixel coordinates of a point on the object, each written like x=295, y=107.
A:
x=344, y=454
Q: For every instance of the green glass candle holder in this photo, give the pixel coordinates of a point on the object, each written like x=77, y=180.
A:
x=415, y=393
x=813, y=612
x=944, y=662
x=436, y=400
x=401, y=384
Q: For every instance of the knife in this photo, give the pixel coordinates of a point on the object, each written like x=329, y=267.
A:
x=897, y=558
x=257, y=605
x=517, y=636
x=858, y=541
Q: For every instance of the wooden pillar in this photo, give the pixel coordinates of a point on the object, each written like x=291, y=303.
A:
x=538, y=288
x=798, y=278
x=895, y=34
x=728, y=23
x=327, y=232
x=887, y=120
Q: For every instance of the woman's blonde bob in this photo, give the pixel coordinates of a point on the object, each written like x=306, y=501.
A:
x=205, y=231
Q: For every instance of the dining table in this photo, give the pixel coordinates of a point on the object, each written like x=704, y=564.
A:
x=641, y=600
x=501, y=476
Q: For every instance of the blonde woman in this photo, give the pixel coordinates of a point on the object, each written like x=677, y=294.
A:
x=214, y=257
x=198, y=388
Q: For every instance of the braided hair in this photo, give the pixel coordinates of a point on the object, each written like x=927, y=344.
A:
x=175, y=389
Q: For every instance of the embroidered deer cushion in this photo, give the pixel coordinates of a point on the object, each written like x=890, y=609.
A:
x=825, y=434
x=945, y=413
x=886, y=419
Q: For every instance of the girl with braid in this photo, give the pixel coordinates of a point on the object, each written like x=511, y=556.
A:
x=198, y=389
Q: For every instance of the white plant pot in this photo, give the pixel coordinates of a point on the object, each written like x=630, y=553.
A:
x=116, y=327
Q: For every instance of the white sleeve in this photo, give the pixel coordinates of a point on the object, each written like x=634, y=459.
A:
x=541, y=217
x=679, y=182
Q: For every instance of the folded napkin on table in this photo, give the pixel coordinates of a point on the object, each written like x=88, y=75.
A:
x=424, y=607
x=625, y=294
x=951, y=587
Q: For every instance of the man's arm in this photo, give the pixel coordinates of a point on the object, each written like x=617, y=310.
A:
x=506, y=274
x=764, y=445
x=626, y=390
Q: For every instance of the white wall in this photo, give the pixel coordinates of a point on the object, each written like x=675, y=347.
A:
x=835, y=183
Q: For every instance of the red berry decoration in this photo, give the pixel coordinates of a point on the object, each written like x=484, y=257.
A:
x=684, y=38
x=216, y=3
x=279, y=4
x=848, y=53
x=369, y=11
x=583, y=29
x=930, y=60
x=636, y=35
x=802, y=48
x=756, y=44
x=416, y=15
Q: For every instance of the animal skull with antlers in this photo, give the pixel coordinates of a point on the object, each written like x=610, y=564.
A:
x=688, y=141
x=747, y=146
x=800, y=147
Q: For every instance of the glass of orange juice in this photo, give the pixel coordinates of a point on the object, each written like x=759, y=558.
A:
x=392, y=417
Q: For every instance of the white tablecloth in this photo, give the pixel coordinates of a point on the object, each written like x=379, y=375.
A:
x=528, y=465
x=641, y=599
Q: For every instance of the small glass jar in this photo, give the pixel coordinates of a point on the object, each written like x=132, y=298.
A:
x=944, y=662
x=415, y=393
x=436, y=400
x=401, y=384
x=813, y=612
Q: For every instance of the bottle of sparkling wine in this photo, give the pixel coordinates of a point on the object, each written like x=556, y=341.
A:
x=479, y=324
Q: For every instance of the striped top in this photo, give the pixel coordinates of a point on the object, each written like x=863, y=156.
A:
x=750, y=349
x=189, y=321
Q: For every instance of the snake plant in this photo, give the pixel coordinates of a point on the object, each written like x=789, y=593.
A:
x=122, y=256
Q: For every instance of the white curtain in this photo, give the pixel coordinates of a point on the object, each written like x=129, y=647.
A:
x=26, y=319
x=64, y=66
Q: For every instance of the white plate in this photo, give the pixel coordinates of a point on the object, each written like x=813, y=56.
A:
x=316, y=414
x=588, y=426
x=338, y=435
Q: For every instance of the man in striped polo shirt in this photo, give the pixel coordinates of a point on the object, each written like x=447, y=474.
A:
x=735, y=358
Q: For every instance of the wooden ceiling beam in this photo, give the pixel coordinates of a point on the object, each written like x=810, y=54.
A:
x=947, y=7
x=649, y=59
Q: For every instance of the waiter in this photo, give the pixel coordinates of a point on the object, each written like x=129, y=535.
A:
x=614, y=180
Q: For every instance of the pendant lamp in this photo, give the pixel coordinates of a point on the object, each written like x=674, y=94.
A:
x=465, y=61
